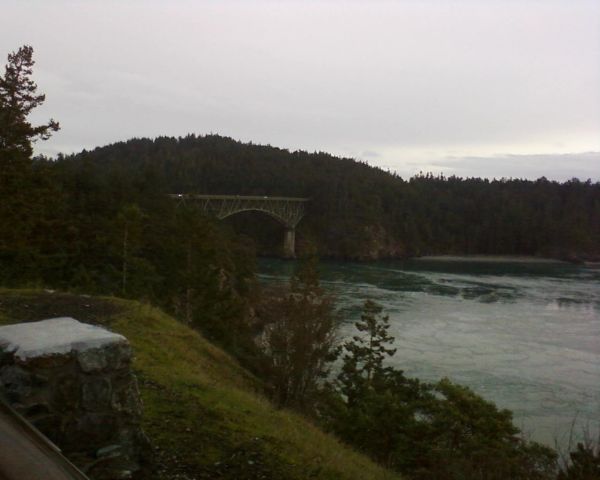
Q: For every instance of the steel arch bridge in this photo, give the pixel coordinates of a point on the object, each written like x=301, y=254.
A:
x=286, y=210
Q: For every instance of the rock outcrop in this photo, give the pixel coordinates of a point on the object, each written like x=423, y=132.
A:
x=74, y=383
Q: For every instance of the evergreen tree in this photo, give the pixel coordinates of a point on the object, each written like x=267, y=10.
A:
x=28, y=200
x=18, y=97
x=365, y=354
x=373, y=399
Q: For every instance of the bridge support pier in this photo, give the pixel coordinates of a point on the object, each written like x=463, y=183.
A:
x=289, y=243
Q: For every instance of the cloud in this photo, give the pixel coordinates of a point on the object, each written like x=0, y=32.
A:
x=393, y=83
x=369, y=154
x=585, y=165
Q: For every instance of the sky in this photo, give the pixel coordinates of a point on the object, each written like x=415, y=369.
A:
x=486, y=88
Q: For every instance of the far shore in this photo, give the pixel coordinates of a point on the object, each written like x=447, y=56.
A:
x=489, y=258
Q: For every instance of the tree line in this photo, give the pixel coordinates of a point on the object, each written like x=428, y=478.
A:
x=362, y=212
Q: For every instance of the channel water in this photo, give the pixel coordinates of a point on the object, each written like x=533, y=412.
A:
x=524, y=334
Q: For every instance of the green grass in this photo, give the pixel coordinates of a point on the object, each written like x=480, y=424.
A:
x=203, y=412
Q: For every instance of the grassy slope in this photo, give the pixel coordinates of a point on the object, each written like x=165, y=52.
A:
x=202, y=411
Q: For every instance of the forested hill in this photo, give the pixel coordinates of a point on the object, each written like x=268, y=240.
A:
x=362, y=212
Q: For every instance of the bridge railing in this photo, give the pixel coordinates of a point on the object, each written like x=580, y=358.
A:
x=196, y=196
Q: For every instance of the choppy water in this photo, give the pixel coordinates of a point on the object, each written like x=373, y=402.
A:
x=524, y=335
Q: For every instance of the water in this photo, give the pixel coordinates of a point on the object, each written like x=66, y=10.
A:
x=524, y=335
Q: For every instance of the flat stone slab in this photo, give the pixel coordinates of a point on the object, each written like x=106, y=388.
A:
x=55, y=336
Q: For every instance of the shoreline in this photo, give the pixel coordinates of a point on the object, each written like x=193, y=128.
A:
x=476, y=258
x=490, y=259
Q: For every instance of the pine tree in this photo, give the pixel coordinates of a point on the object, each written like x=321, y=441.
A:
x=27, y=198
x=18, y=97
x=364, y=361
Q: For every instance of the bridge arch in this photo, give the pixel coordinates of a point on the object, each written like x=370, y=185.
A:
x=286, y=210
x=262, y=210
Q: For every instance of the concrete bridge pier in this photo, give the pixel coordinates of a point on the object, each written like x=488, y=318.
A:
x=289, y=243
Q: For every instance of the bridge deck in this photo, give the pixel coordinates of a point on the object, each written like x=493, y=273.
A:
x=237, y=197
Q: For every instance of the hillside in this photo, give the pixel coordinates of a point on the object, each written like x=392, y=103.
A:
x=202, y=411
x=358, y=211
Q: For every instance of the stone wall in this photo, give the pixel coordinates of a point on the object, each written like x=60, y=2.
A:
x=74, y=383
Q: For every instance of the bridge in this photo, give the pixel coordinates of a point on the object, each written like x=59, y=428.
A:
x=286, y=210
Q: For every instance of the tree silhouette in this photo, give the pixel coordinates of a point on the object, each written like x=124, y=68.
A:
x=18, y=97
x=28, y=206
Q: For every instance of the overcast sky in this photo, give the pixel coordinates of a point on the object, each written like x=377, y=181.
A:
x=495, y=88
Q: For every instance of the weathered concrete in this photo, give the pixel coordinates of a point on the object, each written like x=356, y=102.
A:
x=289, y=243
x=74, y=383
